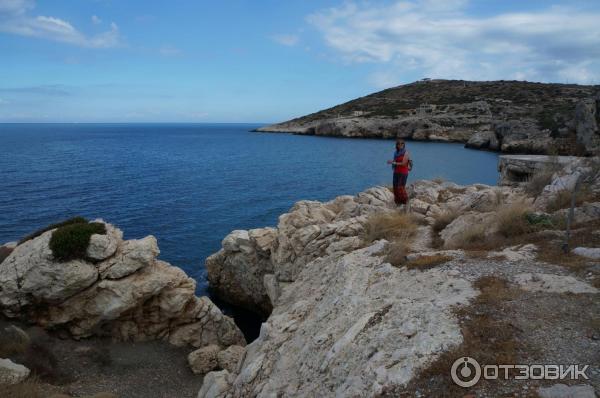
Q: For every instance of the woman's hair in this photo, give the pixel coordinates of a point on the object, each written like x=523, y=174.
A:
x=399, y=142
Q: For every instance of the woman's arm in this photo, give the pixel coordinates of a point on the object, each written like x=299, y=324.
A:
x=405, y=159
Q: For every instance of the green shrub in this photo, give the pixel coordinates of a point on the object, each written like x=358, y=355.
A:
x=540, y=220
x=71, y=241
x=74, y=220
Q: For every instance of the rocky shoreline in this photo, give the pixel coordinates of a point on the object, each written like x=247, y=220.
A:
x=350, y=319
x=360, y=299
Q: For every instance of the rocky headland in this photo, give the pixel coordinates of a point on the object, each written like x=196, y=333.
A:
x=364, y=300
x=360, y=298
x=505, y=116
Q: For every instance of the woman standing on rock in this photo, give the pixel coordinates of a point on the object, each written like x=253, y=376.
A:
x=400, y=165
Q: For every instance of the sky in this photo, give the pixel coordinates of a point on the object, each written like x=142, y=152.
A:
x=265, y=61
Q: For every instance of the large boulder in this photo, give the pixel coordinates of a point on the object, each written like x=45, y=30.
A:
x=102, y=246
x=466, y=228
x=204, y=360
x=31, y=275
x=129, y=295
x=483, y=140
x=247, y=270
x=349, y=325
x=237, y=271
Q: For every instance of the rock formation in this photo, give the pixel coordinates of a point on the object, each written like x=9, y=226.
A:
x=250, y=267
x=344, y=320
x=340, y=343
x=506, y=116
x=121, y=290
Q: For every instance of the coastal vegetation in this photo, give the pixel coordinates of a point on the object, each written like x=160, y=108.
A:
x=74, y=220
x=70, y=242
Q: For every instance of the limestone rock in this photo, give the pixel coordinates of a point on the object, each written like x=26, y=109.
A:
x=30, y=273
x=516, y=169
x=236, y=272
x=538, y=282
x=419, y=206
x=216, y=384
x=102, y=246
x=132, y=255
x=427, y=191
x=483, y=140
x=584, y=213
x=516, y=253
x=481, y=201
x=455, y=233
x=12, y=373
x=272, y=287
x=130, y=295
x=589, y=252
x=204, y=359
x=565, y=391
x=229, y=358
x=250, y=265
x=350, y=325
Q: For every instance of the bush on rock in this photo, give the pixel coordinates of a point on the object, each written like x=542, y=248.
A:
x=73, y=220
x=70, y=242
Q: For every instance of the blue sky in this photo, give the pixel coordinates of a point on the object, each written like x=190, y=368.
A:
x=267, y=61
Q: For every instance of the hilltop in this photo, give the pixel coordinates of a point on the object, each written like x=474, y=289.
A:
x=506, y=116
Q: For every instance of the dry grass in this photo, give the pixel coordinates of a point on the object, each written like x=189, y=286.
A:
x=563, y=198
x=472, y=238
x=426, y=262
x=391, y=226
x=396, y=253
x=443, y=219
x=488, y=337
x=536, y=182
x=582, y=235
x=511, y=220
x=30, y=388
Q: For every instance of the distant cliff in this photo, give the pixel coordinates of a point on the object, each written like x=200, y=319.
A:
x=506, y=116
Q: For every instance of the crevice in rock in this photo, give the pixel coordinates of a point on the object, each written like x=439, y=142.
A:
x=247, y=321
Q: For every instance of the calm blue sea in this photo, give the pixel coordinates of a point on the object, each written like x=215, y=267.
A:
x=191, y=184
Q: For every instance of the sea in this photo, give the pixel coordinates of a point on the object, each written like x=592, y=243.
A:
x=191, y=184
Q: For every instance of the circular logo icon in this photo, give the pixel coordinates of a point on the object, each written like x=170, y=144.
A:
x=465, y=372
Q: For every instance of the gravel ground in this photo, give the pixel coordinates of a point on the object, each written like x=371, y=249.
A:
x=553, y=328
x=128, y=370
